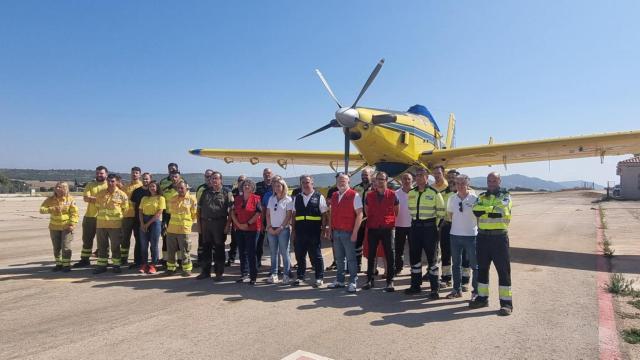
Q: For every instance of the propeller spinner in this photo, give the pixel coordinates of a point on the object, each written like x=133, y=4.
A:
x=347, y=117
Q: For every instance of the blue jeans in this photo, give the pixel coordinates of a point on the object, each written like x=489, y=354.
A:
x=150, y=237
x=279, y=245
x=468, y=243
x=344, y=248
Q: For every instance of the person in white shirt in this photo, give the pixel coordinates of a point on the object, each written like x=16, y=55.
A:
x=464, y=228
x=403, y=220
x=278, y=230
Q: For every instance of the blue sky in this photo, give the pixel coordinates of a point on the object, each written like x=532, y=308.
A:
x=141, y=82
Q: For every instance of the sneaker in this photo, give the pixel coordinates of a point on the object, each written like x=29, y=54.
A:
x=317, y=283
x=117, y=269
x=56, y=268
x=434, y=295
x=478, y=303
x=243, y=280
x=444, y=284
x=465, y=288
x=333, y=266
x=454, y=294
x=272, y=279
x=252, y=282
x=186, y=273
x=389, y=287
x=505, y=311
x=143, y=269
x=151, y=269
x=285, y=280
x=335, y=285
x=352, y=288
x=217, y=278
x=398, y=272
x=100, y=270
x=203, y=275
x=412, y=290
x=295, y=282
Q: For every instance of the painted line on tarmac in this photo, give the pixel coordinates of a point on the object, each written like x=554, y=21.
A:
x=607, y=333
x=304, y=355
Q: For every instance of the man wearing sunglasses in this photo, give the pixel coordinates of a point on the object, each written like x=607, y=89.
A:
x=463, y=233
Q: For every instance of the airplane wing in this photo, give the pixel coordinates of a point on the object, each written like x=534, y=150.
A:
x=611, y=144
x=283, y=158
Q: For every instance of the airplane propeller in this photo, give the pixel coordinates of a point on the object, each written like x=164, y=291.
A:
x=347, y=117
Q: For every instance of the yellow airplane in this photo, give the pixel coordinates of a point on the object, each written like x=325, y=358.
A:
x=394, y=141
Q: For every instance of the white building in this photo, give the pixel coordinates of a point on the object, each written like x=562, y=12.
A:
x=629, y=171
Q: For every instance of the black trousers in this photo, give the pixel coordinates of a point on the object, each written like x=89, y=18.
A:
x=359, y=242
x=233, y=247
x=386, y=237
x=165, y=223
x=445, y=251
x=401, y=237
x=494, y=248
x=213, y=238
x=307, y=241
x=424, y=237
x=260, y=247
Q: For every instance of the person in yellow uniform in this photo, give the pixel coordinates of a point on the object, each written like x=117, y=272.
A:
x=426, y=208
x=183, y=209
x=165, y=183
x=64, y=217
x=89, y=220
x=168, y=192
x=129, y=220
x=493, y=210
x=445, y=189
x=111, y=204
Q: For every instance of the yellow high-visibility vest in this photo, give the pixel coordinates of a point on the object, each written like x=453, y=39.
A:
x=493, y=210
x=426, y=204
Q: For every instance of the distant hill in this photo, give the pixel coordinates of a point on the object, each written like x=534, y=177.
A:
x=533, y=183
x=321, y=180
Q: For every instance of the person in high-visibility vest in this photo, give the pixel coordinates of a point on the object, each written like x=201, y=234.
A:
x=89, y=220
x=310, y=223
x=166, y=182
x=199, y=190
x=111, y=205
x=183, y=208
x=129, y=221
x=64, y=217
x=493, y=210
x=168, y=192
x=442, y=185
x=427, y=210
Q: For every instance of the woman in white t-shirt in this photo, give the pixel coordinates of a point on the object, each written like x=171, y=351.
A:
x=464, y=228
x=278, y=212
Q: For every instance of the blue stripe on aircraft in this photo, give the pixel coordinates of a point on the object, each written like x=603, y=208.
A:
x=412, y=130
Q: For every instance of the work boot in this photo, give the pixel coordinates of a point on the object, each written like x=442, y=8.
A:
x=479, y=302
x=186, y=273
x=66, y=269
x=369, y=285
x=124, y=262
x=413, y=290
x=434, y=295
x=203, y=275
x=99, y=270
x=82, y=263
x=505, y=311
x=117, y=269
x=217, y=278
x=169, y=273
x=56, y=268
x=389, y=287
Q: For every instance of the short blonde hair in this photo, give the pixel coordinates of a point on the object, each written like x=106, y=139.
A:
x=65, y=188
x=280, y=180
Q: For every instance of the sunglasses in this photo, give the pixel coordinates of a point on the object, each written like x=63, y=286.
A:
x=460, y=206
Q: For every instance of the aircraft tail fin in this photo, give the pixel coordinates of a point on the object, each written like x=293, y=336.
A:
x=451, y=132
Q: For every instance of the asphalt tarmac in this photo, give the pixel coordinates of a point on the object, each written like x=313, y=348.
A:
x=48, y=315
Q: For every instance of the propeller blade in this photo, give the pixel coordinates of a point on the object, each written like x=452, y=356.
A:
x=326, y=86
x=347, y=144
x=332, y=123
x=373, y=75
x=383, y=119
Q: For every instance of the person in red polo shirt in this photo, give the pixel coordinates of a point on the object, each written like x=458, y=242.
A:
x=246, y=216
x=346, y=216
x=381, y=207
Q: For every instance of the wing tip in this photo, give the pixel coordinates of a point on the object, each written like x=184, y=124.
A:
x=195, y=151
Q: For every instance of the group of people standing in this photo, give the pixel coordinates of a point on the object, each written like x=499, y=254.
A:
x=446, y=221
